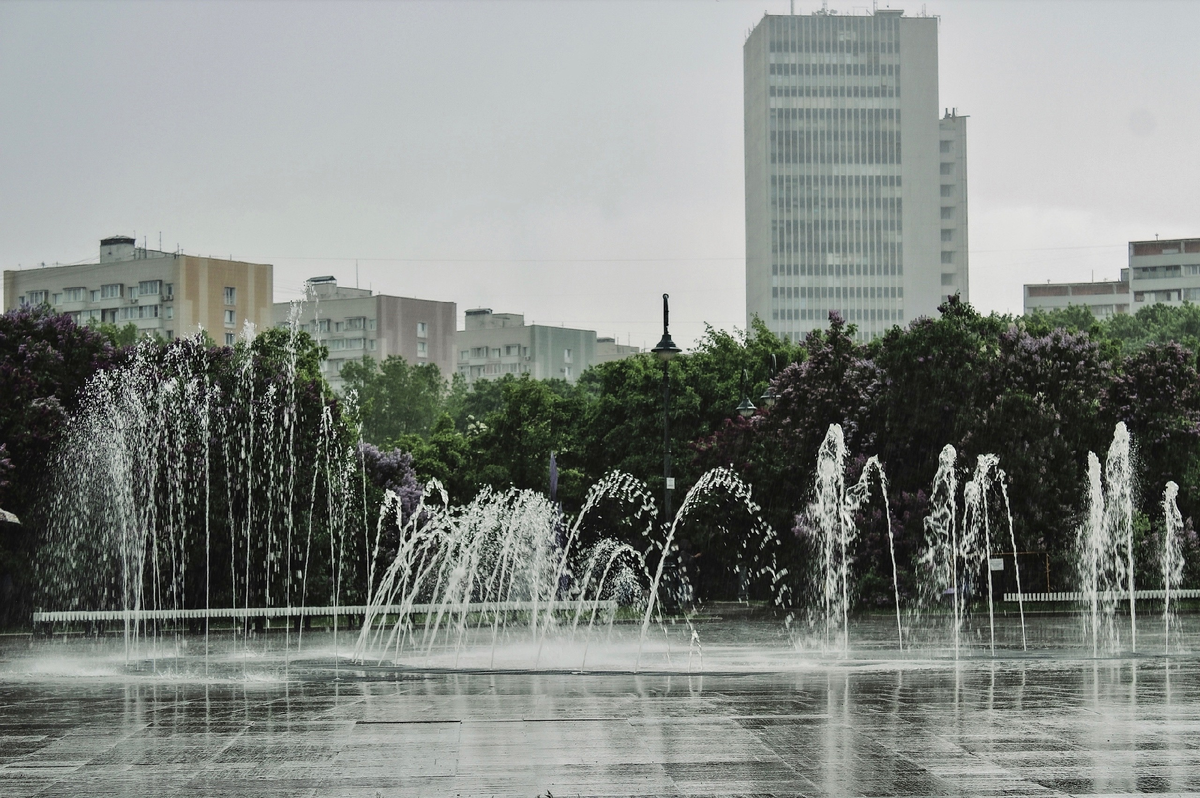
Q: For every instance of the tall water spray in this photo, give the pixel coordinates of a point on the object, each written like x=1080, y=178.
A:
x=959, y=546
x=1105, y=545
x=831, y=517
x=939, y=559
x=175, y=485
x=1172, y=557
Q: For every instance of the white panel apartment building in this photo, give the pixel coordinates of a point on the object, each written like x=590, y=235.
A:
x=494, y=344
x=355, y=322
x=1159, y=272
x=856, y=192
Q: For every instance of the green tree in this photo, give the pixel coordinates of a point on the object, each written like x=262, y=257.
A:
x=395, y=398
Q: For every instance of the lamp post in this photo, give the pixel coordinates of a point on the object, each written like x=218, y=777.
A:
x=666, y=350
x=746, y=408
x=768, y=398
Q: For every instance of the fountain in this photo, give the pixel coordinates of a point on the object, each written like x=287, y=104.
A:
x=1172, y=557
x=1106, y=546
x=831, y=517
x=200, y=486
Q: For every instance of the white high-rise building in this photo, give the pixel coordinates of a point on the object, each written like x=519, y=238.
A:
x=856, y=191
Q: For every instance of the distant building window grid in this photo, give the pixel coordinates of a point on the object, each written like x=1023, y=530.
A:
x=876, y=35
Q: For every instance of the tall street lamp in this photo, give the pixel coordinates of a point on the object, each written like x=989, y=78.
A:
x=666, y=350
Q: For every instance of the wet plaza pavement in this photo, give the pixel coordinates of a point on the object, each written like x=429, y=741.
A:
x=1033, y=725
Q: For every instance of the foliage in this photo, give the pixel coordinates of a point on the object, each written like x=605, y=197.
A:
x=395, y=398
x=1039, y=391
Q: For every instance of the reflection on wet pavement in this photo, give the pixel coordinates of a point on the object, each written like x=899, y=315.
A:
x=1037, y=726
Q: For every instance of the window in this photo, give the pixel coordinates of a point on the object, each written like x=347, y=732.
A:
x=170, y=311
x=320, y=325
x=948, y=213
x=112, y=291
x=37, y=297
x=947, y=191
x=947, y=257
x=355, y=343
x=95, y=295
x=422, y=330
x=512, y=350
x=337, y=343
x=567, y=359
x=464, y=354
x=170, y=290
x=230, y=295
x=338, y=326
x=228, y=339
x=567, y=372
x=496, y=353
x=56, y=299
x=947, y=235
x=422, y=349
x=1139, y=296
x=947, y=168
x=946, y=144
x=371, y=344
x=74, y=294
x=479, y=351
x=948, y=279
x=356, y=323
x=170, y=334
x=149, y=287
x=370, y=324
x=229, y=317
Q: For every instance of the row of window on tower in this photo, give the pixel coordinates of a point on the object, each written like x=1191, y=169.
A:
x=839, y=292
x=852, y=314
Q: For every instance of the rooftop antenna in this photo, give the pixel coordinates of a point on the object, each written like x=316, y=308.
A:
x=793, y=8
x=160, y=240
x=356, y=272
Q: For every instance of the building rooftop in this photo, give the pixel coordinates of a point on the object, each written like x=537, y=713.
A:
x=1164, y=247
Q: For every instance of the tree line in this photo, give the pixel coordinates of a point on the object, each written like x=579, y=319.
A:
x=1039, y=391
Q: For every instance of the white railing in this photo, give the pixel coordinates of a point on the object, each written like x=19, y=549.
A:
x=243, y=613
x=1115, y=595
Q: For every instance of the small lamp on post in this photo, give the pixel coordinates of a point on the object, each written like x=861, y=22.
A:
x=746, y=408
x=768, y=398
x=666, y=350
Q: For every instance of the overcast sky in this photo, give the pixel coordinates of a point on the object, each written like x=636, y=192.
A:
x=571, y=161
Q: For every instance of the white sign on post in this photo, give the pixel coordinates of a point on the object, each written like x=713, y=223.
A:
x=997, y=563
x=670, y=483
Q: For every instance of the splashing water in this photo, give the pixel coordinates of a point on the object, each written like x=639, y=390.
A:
x=1105, y=543
x=831, y=516
x=1172, y=557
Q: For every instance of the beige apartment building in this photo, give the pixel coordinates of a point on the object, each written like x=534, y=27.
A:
x=354, y=323
x=167, y=294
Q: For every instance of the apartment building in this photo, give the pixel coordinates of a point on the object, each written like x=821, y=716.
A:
x=1159, y=272
x=494, y=344
x=1106, y=298
x=608, y=348
x=855, y=189
x=167, y=294
x=355, y=322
